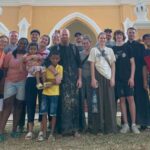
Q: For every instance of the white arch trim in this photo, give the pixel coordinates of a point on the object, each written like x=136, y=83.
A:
x=4, y=29
x=72, y=16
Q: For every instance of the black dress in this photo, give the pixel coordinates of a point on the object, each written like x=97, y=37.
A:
x=69, y=98
x=140, y=94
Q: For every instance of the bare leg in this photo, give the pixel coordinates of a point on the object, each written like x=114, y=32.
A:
x=132, y=108
x=44, y=77
x=8, y=105
x=123, y=109
x=30, y=126
x=18, y=106
x=53, y=123
x=44, y=124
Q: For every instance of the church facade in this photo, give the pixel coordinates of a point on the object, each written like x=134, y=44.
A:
x=87, y=16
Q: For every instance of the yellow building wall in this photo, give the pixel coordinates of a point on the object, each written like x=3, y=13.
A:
x=45, y=18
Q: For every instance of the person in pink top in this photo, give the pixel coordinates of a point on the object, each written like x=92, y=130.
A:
x=3, y=43
x=14, y=88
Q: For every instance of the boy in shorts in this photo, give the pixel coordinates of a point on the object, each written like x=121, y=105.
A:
x=50, y=96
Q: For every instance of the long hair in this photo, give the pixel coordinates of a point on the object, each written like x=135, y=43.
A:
x=17, y=51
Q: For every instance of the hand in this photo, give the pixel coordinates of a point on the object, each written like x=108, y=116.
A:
x=131, y=82
x=112, y=82
x=58, y=79
x=94, y=83
x=79, y=83
x=52, y=69
x=48, y=85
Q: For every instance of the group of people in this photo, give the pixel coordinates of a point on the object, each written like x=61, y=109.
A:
x=77, y=87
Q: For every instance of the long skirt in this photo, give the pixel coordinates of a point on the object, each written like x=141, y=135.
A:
x=105, y=121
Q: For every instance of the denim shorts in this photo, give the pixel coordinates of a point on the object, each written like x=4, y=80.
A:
x=49, y=105
x=15, y=88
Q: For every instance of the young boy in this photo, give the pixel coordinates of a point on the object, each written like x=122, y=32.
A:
x=50, y=96
x=125, y=70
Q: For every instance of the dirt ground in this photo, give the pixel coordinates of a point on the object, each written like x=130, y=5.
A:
x=87, y=141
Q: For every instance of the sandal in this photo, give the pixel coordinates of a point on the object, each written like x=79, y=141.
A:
x=41, y=137
x=29, y=136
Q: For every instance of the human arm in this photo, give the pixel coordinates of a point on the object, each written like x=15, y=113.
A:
x=131, y=79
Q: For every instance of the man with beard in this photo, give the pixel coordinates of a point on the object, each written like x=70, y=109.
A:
x=69, y=103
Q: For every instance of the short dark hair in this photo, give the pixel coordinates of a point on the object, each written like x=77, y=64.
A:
x=108, y=30
x=35, y=31
x=146, y=36
x=32, y=44
x=120, y=33
x=131, y=28
x=77, y=34
x=54, y=52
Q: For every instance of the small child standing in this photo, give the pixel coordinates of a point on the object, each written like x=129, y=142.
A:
x=50, y=96
x=33, y=62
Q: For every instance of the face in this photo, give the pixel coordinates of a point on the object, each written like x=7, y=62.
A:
x=86, y=44
x=32, y=49
x=102, y=39
x=119, y=38
x=54, y=59
x=131, y=34
x=79, y=39
x=35, y=37
x=56, y=39
x=147, y=41
x=65, y=35
x=44, y=41
x=13, y=37
x=108, y=36
x=22, y=45
x=5, y=41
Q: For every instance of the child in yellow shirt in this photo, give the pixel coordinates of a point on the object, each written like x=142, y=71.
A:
x=50, y=96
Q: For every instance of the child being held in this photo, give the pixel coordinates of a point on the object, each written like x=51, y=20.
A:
x=50, y=96
x=33, y=62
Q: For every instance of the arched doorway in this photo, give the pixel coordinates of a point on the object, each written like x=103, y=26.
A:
x=3, y=29
x=78, y=22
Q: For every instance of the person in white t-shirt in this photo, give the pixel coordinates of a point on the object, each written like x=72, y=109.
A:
x=102, y=61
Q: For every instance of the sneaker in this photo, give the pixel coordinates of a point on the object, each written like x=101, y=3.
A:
x=41, y=136
x=29, y=136
x=135, y=129
x=15, y=134
x=51, y=138
x=39, y=86
x=125, y=128
x=2, y=138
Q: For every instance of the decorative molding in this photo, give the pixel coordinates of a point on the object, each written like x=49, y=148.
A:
x=4, y=29
x=126, y=24
x=68, y=2
x=23, y=28
x=142, y=25
x=71, y=17
x=141, y=11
